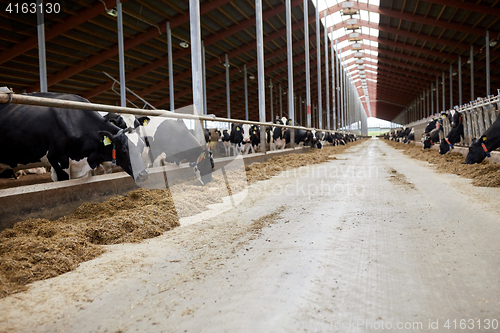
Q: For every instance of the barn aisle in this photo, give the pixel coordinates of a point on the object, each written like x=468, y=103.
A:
x=369, y=240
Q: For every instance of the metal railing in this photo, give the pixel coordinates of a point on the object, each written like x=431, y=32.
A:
x=478, y=116
x=50, y=102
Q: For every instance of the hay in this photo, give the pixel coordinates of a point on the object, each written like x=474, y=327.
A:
x=39, y=249
x=484, y=174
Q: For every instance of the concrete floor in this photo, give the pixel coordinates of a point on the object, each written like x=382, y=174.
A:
x=370, y=241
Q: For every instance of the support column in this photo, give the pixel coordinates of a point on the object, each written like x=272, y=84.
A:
x=228, y=91
x=42, y=62
x=260, y=73
x=318, y=58
x=246, y=91
x=488, y=63
x=471, y=72
x=306, y=47
x=170, y=69
x=121, y=55
x=460, y=80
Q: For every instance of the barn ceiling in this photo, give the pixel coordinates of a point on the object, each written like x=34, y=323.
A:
x=418, y=41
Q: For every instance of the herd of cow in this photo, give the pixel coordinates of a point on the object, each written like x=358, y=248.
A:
x=245, y=137
x=74, y=142
x=478, y=150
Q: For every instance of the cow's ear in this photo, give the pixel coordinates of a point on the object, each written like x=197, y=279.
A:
x=105, y=137
x=143, y=121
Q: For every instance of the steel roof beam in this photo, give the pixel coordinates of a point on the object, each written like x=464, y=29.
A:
x=129, y=43
x=56, y=29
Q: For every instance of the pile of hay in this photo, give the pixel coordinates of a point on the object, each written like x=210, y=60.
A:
x=484, y=174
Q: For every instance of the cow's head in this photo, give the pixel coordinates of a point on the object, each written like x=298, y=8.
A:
x=445, y=146
x=427, y=142
x=124, y=149
x=203, y=166
x=247, y=132
x=455, y=118
x=477, y=151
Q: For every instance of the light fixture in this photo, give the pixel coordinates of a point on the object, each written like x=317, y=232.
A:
x=494, y=42
x=455, y=73
x=468, y=61
x=227, y=65
x=251, y=77
x=184, y=44
x=112, y=12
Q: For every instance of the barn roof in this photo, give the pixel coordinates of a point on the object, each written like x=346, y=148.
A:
x=417, y=41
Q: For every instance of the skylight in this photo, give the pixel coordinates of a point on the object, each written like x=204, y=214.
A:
x=337, y=22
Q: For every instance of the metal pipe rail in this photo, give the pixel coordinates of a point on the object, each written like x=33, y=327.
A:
x=50, y=102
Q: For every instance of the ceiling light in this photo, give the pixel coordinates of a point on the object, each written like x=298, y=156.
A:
x=184, y=44
x=468, y=61
x=493, y=43
x=112, y=12
x=227, y=65
x=251, y=77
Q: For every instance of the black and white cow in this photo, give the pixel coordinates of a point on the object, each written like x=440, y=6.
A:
x=236, y=138
x=251, y=138
x=226, y=141
x=278, y=140
x=481, y=148
x=172, y=140
x=29, y=133
x=81, y=168
x=431, y=132
x=455, y=134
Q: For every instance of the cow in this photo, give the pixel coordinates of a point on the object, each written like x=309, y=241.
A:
x=278, y=140
x=431, y=132
x=226, y=141
x=29, y=132
x=251, y=138
x=455, y=134
x=173, y=140
x=81, y=168
x=481, y=148
x=236, y=138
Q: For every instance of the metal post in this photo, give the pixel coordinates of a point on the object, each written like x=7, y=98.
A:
x=487, y=63
x=272, y=101
x=170, y=68
x=121, y=55
x=327, y=80
x=318, y=58
x=300, y=108
x=471, y=72
x=460, y=80
x=42, y=62
x=333, y=84
x=290, y=70
x=444, y=96
x=432, y=99
x=260, y=70
x=306, y=46
x=338, y=85
x=451, y=87
x=228, y=93
x=246, y=91
x=195, y=32
x=281, y=101
x=204, y=95
x=437, y=95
